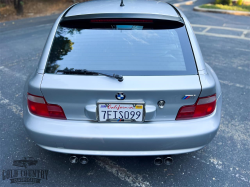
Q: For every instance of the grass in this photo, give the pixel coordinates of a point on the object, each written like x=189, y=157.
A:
x=245, y=8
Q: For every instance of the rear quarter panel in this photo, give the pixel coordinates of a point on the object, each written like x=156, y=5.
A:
x=212, y=74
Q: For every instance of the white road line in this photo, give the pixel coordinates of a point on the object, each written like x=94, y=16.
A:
x=218, y=27
x=24, y=30
x=242, y=36
x=235, y=84
x=185, y=3
x=122, y=173
x=45, y=25
x=206, y=29
x=242, y=49
x=222, y=35
x=6, y=70
x=15, y=108
x=233, y=25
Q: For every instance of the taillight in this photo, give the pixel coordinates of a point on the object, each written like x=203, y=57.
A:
x=203, y=107
x=38, y=106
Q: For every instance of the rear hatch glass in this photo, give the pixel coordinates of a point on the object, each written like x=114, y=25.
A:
x=128, y=48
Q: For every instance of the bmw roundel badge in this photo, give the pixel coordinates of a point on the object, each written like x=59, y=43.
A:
x=120, y=96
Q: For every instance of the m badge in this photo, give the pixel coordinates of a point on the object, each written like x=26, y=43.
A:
x=188, y=97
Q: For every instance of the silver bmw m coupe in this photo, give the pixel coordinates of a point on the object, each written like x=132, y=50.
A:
x=123, y=80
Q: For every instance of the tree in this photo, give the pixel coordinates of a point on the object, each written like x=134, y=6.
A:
x=18, y=5
x=62, y=45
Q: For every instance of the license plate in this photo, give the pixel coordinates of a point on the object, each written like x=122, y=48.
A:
x=121, y=112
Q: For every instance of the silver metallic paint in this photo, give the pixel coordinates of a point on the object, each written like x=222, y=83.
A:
x=74, y=92
x=34, y=84
x=113, y=7
x=148, y=138
x=217, y=82
x=158, y=137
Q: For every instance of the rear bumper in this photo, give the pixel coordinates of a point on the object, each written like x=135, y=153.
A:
x=119, y=153
x=123, y=139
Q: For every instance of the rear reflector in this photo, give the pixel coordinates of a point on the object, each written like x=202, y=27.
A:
x=203, y=107
x=38, y=106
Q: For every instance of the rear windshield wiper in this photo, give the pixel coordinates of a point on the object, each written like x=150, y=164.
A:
x=86, y=72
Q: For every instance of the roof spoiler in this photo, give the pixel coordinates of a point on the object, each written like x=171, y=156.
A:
x=74, y=20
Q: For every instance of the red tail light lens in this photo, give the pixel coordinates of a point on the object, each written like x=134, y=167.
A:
x=38, y=106
x=203, y=107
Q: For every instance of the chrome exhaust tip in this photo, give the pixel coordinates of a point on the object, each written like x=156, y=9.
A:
x=73, y=159
x=83, y=160
x=158, y=161
x=168, y=160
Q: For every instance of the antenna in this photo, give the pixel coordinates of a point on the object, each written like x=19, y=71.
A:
x=122, y=3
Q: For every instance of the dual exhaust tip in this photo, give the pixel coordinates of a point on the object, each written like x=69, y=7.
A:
x=167, y=160
x=157, y=161
x=82, y=160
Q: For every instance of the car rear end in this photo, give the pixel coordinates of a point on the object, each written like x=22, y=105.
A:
x=166, y=104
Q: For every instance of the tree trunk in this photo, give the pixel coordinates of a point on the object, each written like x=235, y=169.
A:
x=18, y=4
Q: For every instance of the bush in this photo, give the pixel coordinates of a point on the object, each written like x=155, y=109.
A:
x=2, y=5
x=224, y=2
x=239, y=2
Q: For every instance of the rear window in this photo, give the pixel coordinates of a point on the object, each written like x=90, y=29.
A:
x=125, y=49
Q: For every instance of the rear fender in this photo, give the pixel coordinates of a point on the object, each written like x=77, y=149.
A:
x=212, y=74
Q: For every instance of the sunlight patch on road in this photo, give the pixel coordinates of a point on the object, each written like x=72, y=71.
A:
x=234, y=84
x=234, y=129
x=220, y=165
x=9, y=105
x=8, y=71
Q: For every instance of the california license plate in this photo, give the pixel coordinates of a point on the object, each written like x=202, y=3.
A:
x=121, y=112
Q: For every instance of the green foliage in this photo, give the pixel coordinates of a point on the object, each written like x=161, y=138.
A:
x=223, y=2
x=62, y=46
x=245, y=8
x=217, y=2
x=2, y=5
x=239, y=2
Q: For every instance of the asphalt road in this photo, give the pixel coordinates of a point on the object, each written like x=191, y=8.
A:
x=225, y=43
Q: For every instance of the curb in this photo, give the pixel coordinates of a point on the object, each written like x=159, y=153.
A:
x=238, y=13
x=185, y=3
